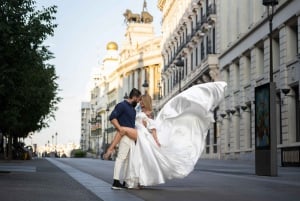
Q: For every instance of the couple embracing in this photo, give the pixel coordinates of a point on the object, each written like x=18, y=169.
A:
x=153, y=151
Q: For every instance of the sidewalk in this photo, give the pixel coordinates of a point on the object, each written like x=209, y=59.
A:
x=241, y=167
x=39, y=180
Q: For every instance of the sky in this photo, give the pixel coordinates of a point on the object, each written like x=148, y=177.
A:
x=79, y=46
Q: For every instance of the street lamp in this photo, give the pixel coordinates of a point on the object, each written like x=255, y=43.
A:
x=83, y=138
x=159, y=91
x=105, y=140
x=179, y=64
x=145, y=85
x=81, y=142
x=98, y=121
x=56, y=139
x=272, y=4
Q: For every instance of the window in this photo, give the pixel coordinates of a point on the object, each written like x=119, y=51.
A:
x=297, y=106
x=259, y=60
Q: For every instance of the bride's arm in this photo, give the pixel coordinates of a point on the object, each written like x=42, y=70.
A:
x=150, y=124
x=153, y=132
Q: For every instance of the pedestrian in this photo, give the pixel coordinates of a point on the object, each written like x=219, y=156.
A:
x=123, y=115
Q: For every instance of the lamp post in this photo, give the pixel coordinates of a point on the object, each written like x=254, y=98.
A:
x=98, y=121
x=159, y=91
x=266, y=153
x=81, y=142
x=56, y=140
x=52, y=140
x=272, y=4
x=145, y=85
x=179, y=64
x=106, y=130
x=48, y=147
x=83, y=136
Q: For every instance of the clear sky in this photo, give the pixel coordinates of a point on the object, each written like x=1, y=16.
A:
x=79, y=45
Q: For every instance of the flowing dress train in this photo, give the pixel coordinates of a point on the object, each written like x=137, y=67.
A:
x=182, y=125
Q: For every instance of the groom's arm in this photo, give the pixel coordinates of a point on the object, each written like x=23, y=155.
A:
x=116, y=124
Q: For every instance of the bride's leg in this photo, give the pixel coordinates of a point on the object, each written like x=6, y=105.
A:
x=111, y=147
x=130, y=132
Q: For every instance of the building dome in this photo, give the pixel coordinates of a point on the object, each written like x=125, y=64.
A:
x=112, y=46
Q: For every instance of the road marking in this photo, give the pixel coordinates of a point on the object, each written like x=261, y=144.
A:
x=99, y=187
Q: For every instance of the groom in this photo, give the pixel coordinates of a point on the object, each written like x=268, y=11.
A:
x=124, y=115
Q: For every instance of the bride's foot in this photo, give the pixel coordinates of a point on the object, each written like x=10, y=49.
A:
x=107, y=155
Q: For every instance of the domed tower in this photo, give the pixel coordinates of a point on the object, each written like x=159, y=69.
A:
x=112, y=46
x=111, y=59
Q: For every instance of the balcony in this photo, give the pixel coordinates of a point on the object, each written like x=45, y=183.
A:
x=211, y=14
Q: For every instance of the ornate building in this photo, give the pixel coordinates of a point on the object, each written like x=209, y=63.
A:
x=207, y=40
x=245, y=64
x=189, y=51
x=85, y=127
x=136, y=65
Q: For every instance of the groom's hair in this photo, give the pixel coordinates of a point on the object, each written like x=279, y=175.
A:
x=134, y=93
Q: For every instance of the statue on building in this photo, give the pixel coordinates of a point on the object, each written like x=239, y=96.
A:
x=144, y=17
x=131, y=17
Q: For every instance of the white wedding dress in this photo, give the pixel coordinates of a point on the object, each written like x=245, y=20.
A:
x=182, y=125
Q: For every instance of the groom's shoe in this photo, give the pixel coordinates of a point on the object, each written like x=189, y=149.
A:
x=117, y=185
x=125, y=185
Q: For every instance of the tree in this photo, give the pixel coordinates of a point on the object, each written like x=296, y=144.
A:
x=28, y=88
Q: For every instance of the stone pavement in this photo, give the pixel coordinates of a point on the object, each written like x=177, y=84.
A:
x=41, y=180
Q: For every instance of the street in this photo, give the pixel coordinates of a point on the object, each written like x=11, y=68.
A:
x=211, y=180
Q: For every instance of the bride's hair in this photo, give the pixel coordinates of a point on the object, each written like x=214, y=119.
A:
x=147, y=100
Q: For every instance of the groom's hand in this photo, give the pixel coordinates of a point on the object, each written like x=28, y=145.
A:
x=122, y=131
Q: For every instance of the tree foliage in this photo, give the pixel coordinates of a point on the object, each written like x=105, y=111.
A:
x=28, y=88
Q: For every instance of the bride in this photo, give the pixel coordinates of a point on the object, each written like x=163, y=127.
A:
x=170, y=146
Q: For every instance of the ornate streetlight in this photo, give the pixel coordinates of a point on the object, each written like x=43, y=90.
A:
x=105, y=139
x=98, y=121
x=270, y=4
x=56, y=139
x=125, y=96
x=179, y=64
x=145, y=84
x=159, y=91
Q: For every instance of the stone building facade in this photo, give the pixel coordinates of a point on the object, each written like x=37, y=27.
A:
x=244, y=63
x=209, y=40
x=136, y=65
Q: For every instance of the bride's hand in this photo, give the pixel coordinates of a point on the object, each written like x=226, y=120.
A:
x=157, y=142
x=145, y=123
